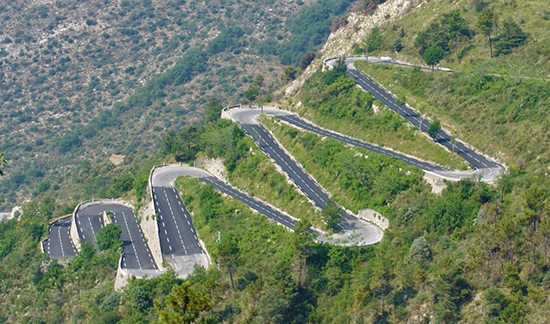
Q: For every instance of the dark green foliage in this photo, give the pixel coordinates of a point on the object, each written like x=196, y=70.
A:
x=306, y=60
x=87, y=250
x=459, y=205
x=434, y=127
x=289, y=73
x=374, y=40
x=510, y=37
x=397, y=45
x=419, y=251
x=226, y=40
x=338, y=71
x=109, y=237
x=331, y=214
x=309, y=29
x=122, y=184
x=433, y=55
x=213, y=110
x=67, y=142
x=451, y=292
x=252, y=93
x=495, y=302
x=451, y=29
x=183, y=305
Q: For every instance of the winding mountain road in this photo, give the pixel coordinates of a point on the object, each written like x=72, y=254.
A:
x=488, y=169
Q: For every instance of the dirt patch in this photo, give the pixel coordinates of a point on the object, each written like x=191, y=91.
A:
x=436, y=182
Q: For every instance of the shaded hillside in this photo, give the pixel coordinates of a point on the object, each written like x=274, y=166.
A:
x=88, y=79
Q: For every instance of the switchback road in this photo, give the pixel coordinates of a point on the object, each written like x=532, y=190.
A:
x=135, y=251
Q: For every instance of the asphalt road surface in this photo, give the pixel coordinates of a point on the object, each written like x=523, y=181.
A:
x=167, y=175
x=135, y=251
x=478, y=161
x=247, y=118
x=311, y=189
x=59, y=244
x=176, y=231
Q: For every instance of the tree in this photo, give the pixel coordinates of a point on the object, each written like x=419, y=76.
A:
x=419, y=250
x=433, y=55
x=252, y=93
x=306, y=60
x=486, y=23
x=434, y=127
x=331, y=214
x=183, y=305
x=302, y=243
x=109, y=237
x=511, y=36
x=213, y=110
x=456, y=26
x=374, y=40
x=289, y=73
x=227, y=255
x=258, y=81
x=398, y=45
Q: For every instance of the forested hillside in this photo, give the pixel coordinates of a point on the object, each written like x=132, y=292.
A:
x=474, y=253
x=83, y=80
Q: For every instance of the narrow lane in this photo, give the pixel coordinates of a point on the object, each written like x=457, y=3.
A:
x=176, y=231
x=59, y=244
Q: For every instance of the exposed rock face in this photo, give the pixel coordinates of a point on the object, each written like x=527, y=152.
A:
x=214, y=166
x=358, y=28
x=374, y=217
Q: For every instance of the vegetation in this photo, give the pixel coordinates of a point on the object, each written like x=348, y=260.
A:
x=332, y=100
x=109, y=237
x=248, y=168
x=356, y=178
x=81, y=83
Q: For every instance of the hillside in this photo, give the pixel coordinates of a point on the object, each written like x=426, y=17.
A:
x=83, y=80
x=472, y=253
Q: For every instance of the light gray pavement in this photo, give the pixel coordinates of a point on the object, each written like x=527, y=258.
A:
x=59, y=244
x=179, y=241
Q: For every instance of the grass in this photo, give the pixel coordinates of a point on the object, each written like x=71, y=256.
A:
x=354, y=115
x=356, y=178
x=257, y=175
x=501, y=116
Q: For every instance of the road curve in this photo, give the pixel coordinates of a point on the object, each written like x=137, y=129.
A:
x=136, y=254
x=357, y=232
x=247, y=117
x=59, y=244
x=488, y=169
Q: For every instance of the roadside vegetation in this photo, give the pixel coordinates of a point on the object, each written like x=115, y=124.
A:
x=332, y=100
x=248, y=168
x=499, y=115
x=356, y=178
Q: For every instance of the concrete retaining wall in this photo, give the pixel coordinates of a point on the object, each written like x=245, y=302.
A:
x=74, y=231
x=150, y=229
x=374, y=217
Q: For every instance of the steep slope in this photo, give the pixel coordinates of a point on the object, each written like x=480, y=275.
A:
x=88, y=79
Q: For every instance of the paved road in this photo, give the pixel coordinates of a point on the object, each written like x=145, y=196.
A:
x=176, y=231
x=356, y=231
x=484, y=166
x=59, y=244
x=170, y=173
x=311, y=189
x=247, y=117
x=135, y=251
